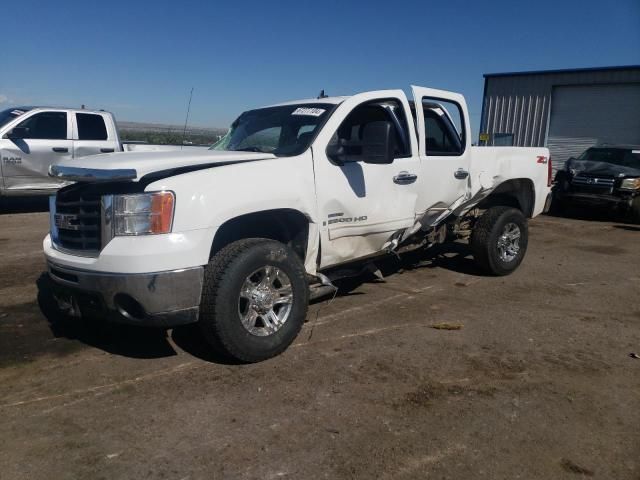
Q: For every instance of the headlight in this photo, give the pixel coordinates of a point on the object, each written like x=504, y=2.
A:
x=143, y=214
x=630, y=184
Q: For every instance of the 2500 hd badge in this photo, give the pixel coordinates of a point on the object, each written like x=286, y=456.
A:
x=11, y=160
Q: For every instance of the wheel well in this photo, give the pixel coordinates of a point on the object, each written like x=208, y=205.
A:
x=518, y=193
x=284, y=225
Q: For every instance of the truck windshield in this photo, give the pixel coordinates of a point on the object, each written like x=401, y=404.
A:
x=9, y=114
x=284, y=131
x=616, y=156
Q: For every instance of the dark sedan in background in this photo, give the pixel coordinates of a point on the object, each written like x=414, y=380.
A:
x=605, y=176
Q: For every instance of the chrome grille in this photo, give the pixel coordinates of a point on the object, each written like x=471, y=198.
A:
x=601, y=182
x=77, y=221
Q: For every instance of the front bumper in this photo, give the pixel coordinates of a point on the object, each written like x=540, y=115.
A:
x=595, y=199
x=162, y=299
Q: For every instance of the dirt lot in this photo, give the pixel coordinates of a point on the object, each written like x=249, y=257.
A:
x=537, y=384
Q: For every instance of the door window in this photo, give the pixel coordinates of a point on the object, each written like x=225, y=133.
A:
x=349, y=133
x=91, y=127
x=443, y=128
x=46, y=126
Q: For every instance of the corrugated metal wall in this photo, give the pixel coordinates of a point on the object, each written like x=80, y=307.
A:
x=586, y=115
x=520, y=104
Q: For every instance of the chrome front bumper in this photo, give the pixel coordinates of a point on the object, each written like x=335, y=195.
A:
x=156, y=299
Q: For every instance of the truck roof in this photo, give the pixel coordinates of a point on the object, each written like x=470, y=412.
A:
x=333, y=100
x=45, y=107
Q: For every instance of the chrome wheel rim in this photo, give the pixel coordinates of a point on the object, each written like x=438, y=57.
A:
x=265, y=302
x=509, y=242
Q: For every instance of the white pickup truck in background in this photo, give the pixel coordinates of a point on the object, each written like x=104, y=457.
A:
x=33, y=138
x=239, y=237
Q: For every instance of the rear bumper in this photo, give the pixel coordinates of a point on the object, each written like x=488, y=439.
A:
x=162, y=299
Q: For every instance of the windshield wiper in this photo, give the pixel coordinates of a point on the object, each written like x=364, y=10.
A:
x=249, y=149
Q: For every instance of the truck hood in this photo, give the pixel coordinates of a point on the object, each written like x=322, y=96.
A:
x=602, y=168
x=145, y=163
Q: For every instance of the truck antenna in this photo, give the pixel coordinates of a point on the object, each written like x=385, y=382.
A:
x=322, y=95
x=186, y=120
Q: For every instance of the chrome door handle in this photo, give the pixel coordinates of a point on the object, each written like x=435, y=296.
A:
x=461, y=174
x=405, y=178
x=60, y=149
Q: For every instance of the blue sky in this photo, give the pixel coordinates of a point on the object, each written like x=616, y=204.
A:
x=139, y=59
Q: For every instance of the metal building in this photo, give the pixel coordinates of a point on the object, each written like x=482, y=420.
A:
x=564, y=110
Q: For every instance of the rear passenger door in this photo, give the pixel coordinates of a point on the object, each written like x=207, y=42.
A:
x=92, y=135
x=444, y=145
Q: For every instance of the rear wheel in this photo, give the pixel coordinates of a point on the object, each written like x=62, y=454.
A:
x=254, y=300
x=499, y=240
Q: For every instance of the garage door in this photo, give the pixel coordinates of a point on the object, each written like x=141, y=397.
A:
x=587, y=115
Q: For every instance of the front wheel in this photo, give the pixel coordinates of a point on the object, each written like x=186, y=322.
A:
x=634, y=212
x=255, y=298
x=499, y=240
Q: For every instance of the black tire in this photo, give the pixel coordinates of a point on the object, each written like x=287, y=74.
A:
x=486, y=235
x=634, y=211
x=558, y=206
x=224, y=277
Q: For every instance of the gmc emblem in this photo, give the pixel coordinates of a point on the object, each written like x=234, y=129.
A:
x=67, y=222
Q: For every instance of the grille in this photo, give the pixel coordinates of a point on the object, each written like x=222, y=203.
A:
x=593, y=184
x=78, y=221
x=601, y=182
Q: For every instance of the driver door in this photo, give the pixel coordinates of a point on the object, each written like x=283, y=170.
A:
x=25, y=161
x=363, y=205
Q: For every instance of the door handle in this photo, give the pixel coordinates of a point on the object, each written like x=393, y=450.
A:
x=405, y=178
x=106, y=150
x=461, y=174
x=60, y=149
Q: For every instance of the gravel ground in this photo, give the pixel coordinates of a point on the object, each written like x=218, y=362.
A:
x=537, y=383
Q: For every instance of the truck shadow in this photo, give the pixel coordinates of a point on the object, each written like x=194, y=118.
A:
x=149, y=343
x=125, y=340
x=455, y=257
x=9, y=205
x=590, y=214
x=190, y=339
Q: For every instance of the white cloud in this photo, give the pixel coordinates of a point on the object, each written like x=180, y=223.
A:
x=3, y=99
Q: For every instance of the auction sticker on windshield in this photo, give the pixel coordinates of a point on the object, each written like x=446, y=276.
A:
x=314, y=112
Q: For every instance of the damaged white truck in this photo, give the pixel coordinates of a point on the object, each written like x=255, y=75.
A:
x=239, y=238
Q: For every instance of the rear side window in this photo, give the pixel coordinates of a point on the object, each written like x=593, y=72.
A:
x=91, y=127
x=443, y=128
x=46, y=126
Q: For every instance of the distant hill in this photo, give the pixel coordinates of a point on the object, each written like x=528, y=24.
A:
x=168, y=134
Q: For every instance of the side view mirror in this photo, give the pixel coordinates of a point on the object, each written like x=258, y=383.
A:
x=378, y=143
x=18, y=133
x=337, y=152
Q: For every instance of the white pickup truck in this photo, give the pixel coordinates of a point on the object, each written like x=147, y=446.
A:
x=239, y=238
x=33, y=138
